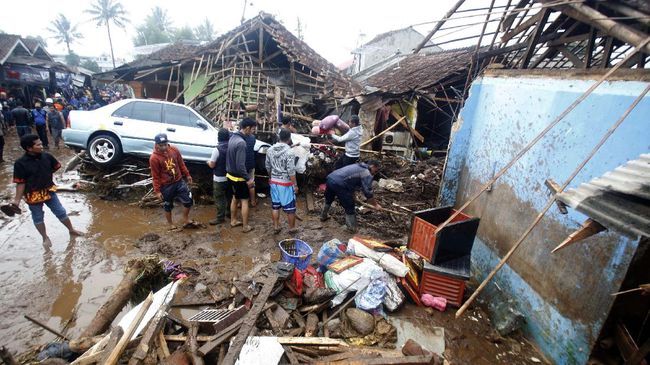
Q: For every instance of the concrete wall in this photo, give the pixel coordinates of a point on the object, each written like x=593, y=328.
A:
x=564, y=296
x=403, y=41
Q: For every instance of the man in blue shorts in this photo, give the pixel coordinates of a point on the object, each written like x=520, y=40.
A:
x=281, y=166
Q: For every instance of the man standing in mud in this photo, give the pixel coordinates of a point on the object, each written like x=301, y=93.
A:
x=281, y=166
x=238, y=179
x=33, y=177
x=167, y=171
x=343, y=183
x=217, y=163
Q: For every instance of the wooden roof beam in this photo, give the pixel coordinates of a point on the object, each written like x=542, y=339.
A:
x=593, y=17
x=533, y=39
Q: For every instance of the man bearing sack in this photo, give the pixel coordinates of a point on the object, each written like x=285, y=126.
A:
x=167, y=171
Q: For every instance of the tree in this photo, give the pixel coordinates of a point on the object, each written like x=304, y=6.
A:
x=105, y=12
x=183, y=34
x=63, y=31
x=71, y=59
x=156, y=28
x=205, y=31
x=91, y=65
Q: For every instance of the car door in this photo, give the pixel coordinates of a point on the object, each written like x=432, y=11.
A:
x=137, y=123
x=189, y=132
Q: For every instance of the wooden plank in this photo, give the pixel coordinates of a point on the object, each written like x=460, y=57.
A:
x=193, y=344
x=607, y=52
x=183, y=338
x=533, y=39
x=150, y=335
x=121, y=344
x=522, y=27
x=373, y=360
x=261, y=43
x=249, y=320
x=163, y=344
x=589, y=228
x=277, y=330
x=315, y=341
x=577, y=62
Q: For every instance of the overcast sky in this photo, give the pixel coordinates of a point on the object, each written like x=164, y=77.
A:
x=331, y=27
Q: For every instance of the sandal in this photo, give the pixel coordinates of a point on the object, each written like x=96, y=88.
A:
x=277, y=230
x=247, y=229
x=235, y=224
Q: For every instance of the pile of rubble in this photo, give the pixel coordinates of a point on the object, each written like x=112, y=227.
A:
x=306, y=308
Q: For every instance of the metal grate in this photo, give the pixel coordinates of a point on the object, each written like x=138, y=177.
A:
x=212, y=315
x=215, y=320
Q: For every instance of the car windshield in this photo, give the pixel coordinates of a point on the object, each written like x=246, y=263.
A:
x=202, y=115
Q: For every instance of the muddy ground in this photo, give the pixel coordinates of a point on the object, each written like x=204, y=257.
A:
x=65, y=283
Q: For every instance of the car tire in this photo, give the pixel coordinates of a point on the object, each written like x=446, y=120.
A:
x=104, y=150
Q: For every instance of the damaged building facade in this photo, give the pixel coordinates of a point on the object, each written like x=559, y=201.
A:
x=258, y=69
x=549, y=110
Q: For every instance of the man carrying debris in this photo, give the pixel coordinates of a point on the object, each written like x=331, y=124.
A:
x=220, y=191
x=237, y=174
x=352, y=141
x=33, y=177
x=343, y=183
x=167, y=172
x=281, y=165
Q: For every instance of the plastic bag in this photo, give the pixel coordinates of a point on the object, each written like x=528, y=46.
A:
x=329, y=253
x=394, y=297
x=373, y=296
x=353, y=279
x=385, y=260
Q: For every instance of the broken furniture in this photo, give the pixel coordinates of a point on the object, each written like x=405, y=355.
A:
x=446, y=251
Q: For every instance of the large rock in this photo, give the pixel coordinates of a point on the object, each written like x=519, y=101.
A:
x=362, y=322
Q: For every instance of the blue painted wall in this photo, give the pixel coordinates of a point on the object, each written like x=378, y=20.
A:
x=564, y=296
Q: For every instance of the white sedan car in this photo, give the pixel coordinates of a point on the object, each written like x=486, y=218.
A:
x=129, y=127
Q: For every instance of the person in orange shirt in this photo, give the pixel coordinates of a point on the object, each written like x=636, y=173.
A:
x=167, y=171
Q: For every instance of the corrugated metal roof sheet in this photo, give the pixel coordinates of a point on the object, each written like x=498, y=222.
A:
x=619, y=199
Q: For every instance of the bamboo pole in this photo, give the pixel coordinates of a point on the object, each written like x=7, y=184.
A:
x=551, y=202
x=439, y=25
x=537, y=138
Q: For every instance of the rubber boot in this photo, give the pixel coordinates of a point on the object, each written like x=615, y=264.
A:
x=324, y=214
x=351, y=223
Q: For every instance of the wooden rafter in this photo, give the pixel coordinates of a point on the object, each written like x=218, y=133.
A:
x=533, y=39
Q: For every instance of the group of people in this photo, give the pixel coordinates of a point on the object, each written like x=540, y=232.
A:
x=47, y=118
x=232, y=163
x=233, y=166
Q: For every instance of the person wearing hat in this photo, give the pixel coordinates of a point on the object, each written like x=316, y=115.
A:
x=167, y=171
x=220, y=191
x=342, y=184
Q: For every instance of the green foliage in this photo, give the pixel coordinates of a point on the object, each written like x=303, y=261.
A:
x=205, y=31
x=63, y=31
x=72, y=59
x=105, y=12
x=183, y=34
x=91, y=65
x=156, y=28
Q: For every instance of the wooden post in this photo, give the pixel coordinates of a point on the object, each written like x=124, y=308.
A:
x=121, y=345
x=383, y=132
x=589, y=52
x=533, y=39
x=169, y=83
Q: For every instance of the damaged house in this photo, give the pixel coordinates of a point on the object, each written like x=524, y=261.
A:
x=258, y=69
x=550, y=151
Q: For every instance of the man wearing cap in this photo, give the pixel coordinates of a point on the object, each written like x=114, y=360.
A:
x=342, y=184
x=352, y=141
x=281, y=166
x=167, y=172
x=237, y=174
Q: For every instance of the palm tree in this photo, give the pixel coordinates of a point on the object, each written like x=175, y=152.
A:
x=205, y=31
x=106, y=11
x=63, y=31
